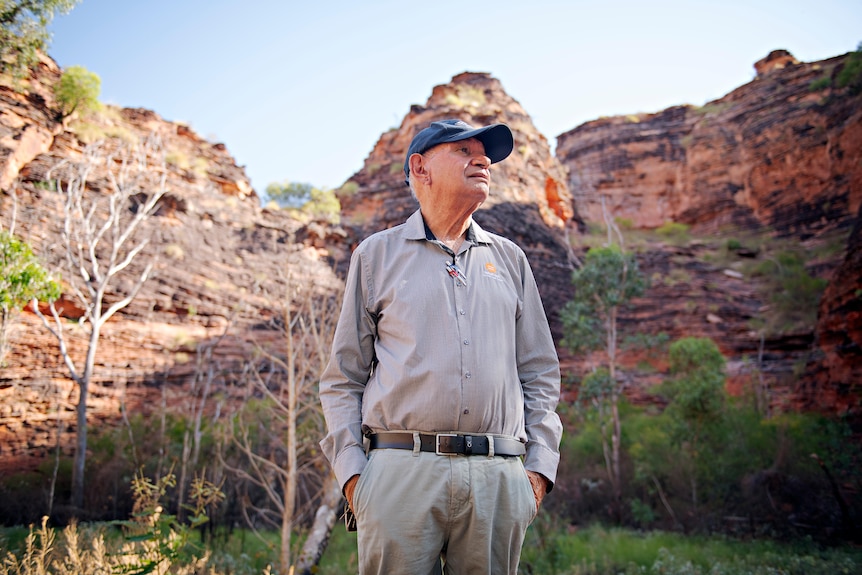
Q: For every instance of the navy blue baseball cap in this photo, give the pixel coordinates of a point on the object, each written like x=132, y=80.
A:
x=497, y=139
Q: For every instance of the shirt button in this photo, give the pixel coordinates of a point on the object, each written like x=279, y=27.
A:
x=466, y=411
x=466, y=342
x=468, y=375
x=461, y=311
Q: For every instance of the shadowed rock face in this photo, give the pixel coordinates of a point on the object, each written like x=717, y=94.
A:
x=833, y=382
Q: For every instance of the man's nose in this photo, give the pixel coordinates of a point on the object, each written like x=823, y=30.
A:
x=482, y=160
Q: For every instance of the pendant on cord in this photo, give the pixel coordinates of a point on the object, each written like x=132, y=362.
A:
x=454, y=271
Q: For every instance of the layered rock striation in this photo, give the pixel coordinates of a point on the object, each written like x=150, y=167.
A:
x=220, y=270
x=783, y=151
x=779, y=156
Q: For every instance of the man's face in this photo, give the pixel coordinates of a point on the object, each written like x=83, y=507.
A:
x=460, y=170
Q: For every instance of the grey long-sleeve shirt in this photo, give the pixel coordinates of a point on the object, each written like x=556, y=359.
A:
x=418, y=348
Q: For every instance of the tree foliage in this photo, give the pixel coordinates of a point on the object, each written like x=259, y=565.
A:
x=78, y=89
x=608, y=279
x=851, y=75
x=697, y=386
x=24, y=31
x=288, y=194
x=697, y=399
x=305, y=198
x=22, y=279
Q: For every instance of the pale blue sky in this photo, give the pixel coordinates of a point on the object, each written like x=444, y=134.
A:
x=301, y=91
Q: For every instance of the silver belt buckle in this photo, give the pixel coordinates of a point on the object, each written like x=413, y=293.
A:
x=437, y=442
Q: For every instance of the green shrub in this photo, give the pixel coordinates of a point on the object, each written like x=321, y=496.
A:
x=794, y=293
x=850, y=75
x=347, y=189
x=22, y=279
x=733, y=244
x=674, y=231
x=77, y=90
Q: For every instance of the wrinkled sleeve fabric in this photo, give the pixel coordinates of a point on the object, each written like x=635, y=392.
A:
x=539, y=372
x=343, y=381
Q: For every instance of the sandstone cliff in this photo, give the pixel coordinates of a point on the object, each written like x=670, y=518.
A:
x=221, y=265
x=772, y=155
x=778, y=157
x=778, y=152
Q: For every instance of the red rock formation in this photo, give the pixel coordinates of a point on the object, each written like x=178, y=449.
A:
x=775, y=60
x=781, y=154
x=833, y=381
x=772, y=153
x=220, y=267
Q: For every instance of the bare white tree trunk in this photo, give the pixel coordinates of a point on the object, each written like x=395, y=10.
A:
x=99, y=244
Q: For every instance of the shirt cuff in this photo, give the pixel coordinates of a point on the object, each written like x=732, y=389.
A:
x=541, y=460
x=349, y=462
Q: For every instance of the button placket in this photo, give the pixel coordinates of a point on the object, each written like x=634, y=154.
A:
x=461, y=292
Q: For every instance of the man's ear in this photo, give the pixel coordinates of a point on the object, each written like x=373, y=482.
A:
x=418, y=169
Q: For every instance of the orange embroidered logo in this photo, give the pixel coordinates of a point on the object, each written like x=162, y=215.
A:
x=489, y=267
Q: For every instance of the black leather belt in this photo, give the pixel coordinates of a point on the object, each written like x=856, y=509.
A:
x=448, y=443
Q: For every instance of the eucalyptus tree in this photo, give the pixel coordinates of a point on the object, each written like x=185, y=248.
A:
x=607, y=280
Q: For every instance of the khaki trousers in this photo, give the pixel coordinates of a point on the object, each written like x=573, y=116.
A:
x=420, y=513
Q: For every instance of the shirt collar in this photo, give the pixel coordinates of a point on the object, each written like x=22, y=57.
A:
x=416, y=229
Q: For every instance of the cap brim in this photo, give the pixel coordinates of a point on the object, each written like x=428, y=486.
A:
x=497, y=139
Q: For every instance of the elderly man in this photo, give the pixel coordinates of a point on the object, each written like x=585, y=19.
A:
x=443, y=374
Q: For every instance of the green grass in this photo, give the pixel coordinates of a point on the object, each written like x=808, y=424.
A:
x=341, y=553
x=600, y=551
x=551, y=549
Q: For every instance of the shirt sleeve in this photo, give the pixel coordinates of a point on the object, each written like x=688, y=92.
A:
x=539, y=372
x=343, y=381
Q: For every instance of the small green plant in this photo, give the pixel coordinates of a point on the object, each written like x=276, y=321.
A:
x=675, y=232
x=733, y=244
x=77, y=90
x=625, y=223
x=850, y=75
x=87, y=131
x=22, y=279
x=820, y=84
x=175, y=252
x=158, y=539
x=178, y=159
x=347, y=189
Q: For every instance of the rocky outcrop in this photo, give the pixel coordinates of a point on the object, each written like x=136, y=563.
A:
x=771, y=155
x=220, y=272
x=781, y=155
x=833, y=381
x=530, y=202
x=783, y=151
